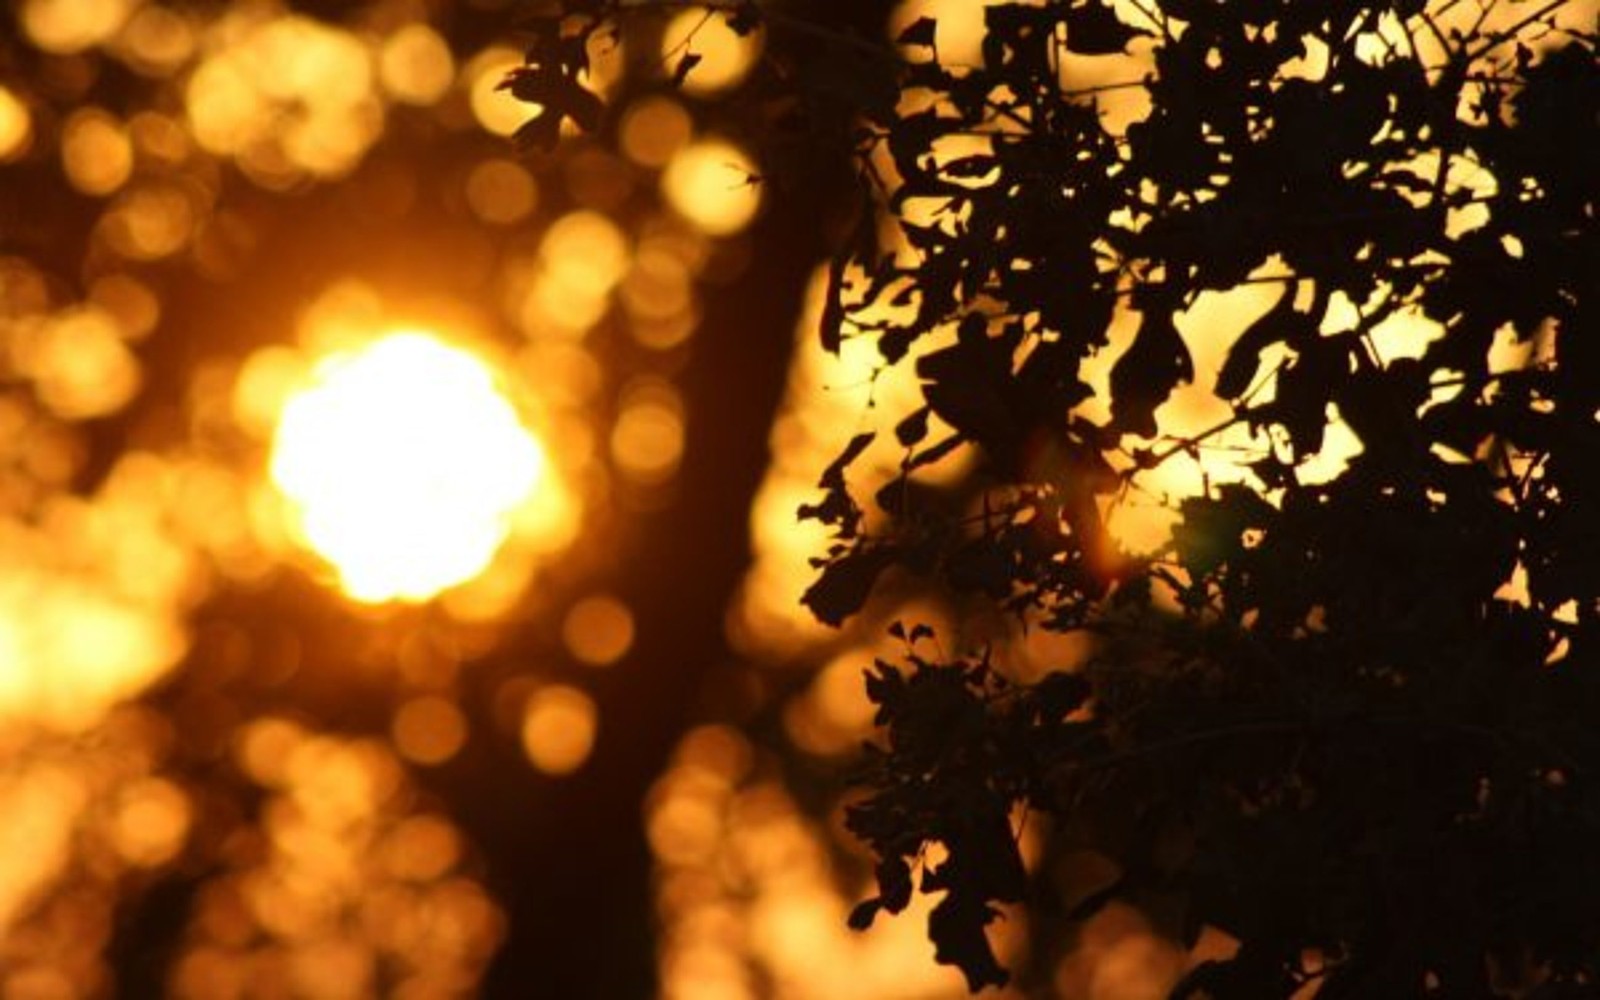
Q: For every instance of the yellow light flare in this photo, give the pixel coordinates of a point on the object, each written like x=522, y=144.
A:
x=348, y=885
x=415, y=65
x=157, y=40
x=558, y=728
x=712, y=184
x=96, y=152
x=585, y=253
x=150, y=222
x=44, y=803
x=68, y=26
x=725, y=56
x=80, y=367
x=285, y=95
x=405, y=465
x=495, y=109
x=16, y=126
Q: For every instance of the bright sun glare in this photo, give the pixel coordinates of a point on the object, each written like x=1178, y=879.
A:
x=404, y=463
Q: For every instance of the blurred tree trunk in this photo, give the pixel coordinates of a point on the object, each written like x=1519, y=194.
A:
x=570, y=862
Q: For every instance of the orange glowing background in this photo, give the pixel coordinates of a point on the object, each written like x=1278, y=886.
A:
x=363, y=486
x=319, y=394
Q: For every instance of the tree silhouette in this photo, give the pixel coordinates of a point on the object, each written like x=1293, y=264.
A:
x=1347, y=717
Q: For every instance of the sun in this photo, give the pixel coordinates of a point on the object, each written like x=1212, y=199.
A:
x=403, y=463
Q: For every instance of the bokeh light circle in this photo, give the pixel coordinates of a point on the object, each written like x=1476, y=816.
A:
x=404, y=464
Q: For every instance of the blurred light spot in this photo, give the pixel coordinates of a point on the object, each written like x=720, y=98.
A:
x=16, y=126
x=152, y=820
x=415, y=65
x=558, y=728
x=312, y=62
x=429, y=730
x=718, y=750
x=160, y=137
x=286, y=96
x=421, y=848
x=834, y=715
x=96, y=152
x=712, y=183
x=225, y=108
x=568, y=373
x=67, y=26
x=266, y=381
x=585, y=252
x=341, y=318
x=333, y=967
x=495, y=109
x=683, y=828
x=157, y=40
x=726, y=57
x=42, y=805
x=647, y=439
x=665, y=333
x=658, y=294
x=92, y=591
x=264, y=748
x=405, y=463
x=653, y=129
x=598, y=630
x=1119, y=957
x=129, y=301
x=500, y=588
x=80, y=365
x=501, y=192
x=340, y=892
x=581, y=259
x=149, y=223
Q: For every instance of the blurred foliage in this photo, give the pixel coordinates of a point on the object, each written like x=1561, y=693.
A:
x=1344, y=712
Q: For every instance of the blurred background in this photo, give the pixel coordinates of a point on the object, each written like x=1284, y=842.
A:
x=400, y=580
x=399, y=571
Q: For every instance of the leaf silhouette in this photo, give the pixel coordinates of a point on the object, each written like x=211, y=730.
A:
x=686, y=64
x=1147, y=372
x=1094, y=29
x=845, y=584
x=919, y=32
x=1279, y=324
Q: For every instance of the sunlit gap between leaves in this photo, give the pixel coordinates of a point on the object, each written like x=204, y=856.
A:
x=405, y=465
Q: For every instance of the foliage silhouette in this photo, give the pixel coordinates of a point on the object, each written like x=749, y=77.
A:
x=1351, y=719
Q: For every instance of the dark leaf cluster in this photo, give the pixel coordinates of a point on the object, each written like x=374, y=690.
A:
x=1352, y=717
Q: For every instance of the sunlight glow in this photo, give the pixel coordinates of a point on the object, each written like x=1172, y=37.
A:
x=713, y=184
x=405, y=465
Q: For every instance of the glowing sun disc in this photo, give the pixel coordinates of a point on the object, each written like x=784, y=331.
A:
x=404, y=462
